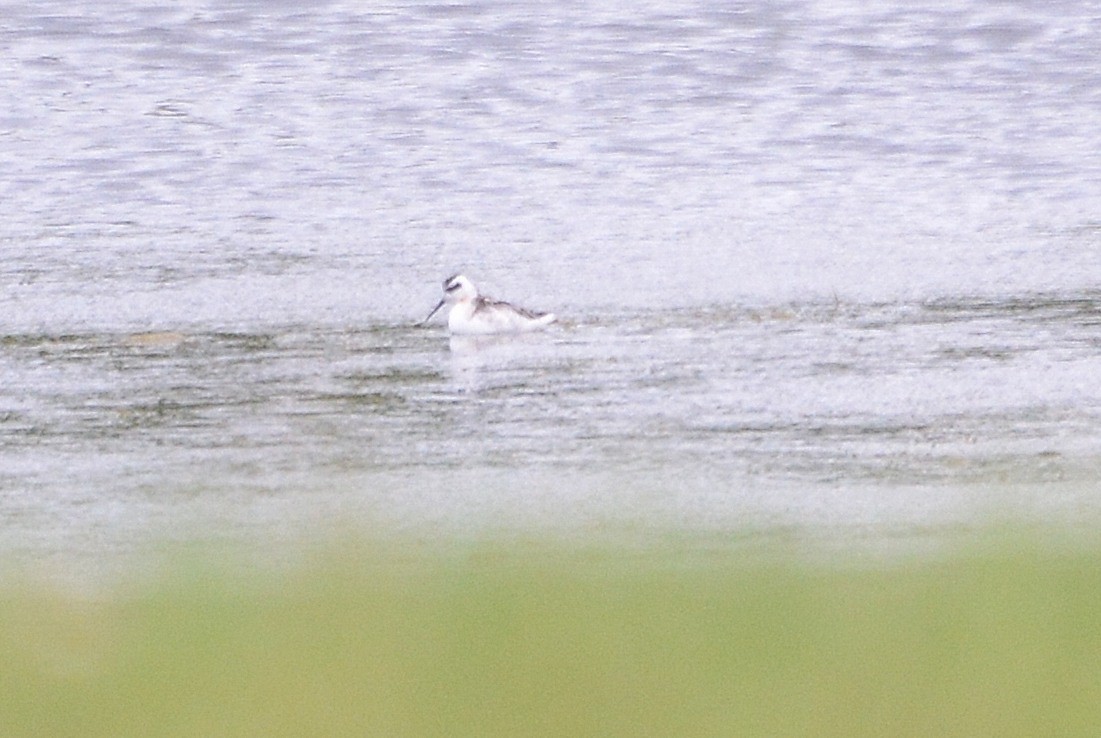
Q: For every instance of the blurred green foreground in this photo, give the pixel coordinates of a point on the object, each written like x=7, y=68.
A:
x=565, y=640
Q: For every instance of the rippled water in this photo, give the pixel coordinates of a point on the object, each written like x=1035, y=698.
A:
x=822, y=266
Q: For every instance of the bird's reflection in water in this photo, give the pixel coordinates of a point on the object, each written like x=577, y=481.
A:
x=475, y=360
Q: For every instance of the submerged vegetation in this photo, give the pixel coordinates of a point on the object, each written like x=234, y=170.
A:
x=552, y=639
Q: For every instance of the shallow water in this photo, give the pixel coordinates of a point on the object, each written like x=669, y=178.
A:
x=821, y=267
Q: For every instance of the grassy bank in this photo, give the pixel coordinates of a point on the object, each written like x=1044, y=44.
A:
x=557, y=640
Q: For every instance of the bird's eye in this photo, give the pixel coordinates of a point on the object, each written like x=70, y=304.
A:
x=452, y=287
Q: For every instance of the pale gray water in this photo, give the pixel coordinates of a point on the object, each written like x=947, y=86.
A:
x=822, y=266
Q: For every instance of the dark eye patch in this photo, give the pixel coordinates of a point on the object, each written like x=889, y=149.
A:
x=452, y=287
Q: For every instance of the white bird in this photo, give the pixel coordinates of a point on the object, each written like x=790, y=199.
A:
x=473, y=314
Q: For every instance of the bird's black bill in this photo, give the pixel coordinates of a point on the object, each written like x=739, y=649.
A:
x=434, y=311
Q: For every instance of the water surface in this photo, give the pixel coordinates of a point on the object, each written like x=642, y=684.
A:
x=822, y=267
